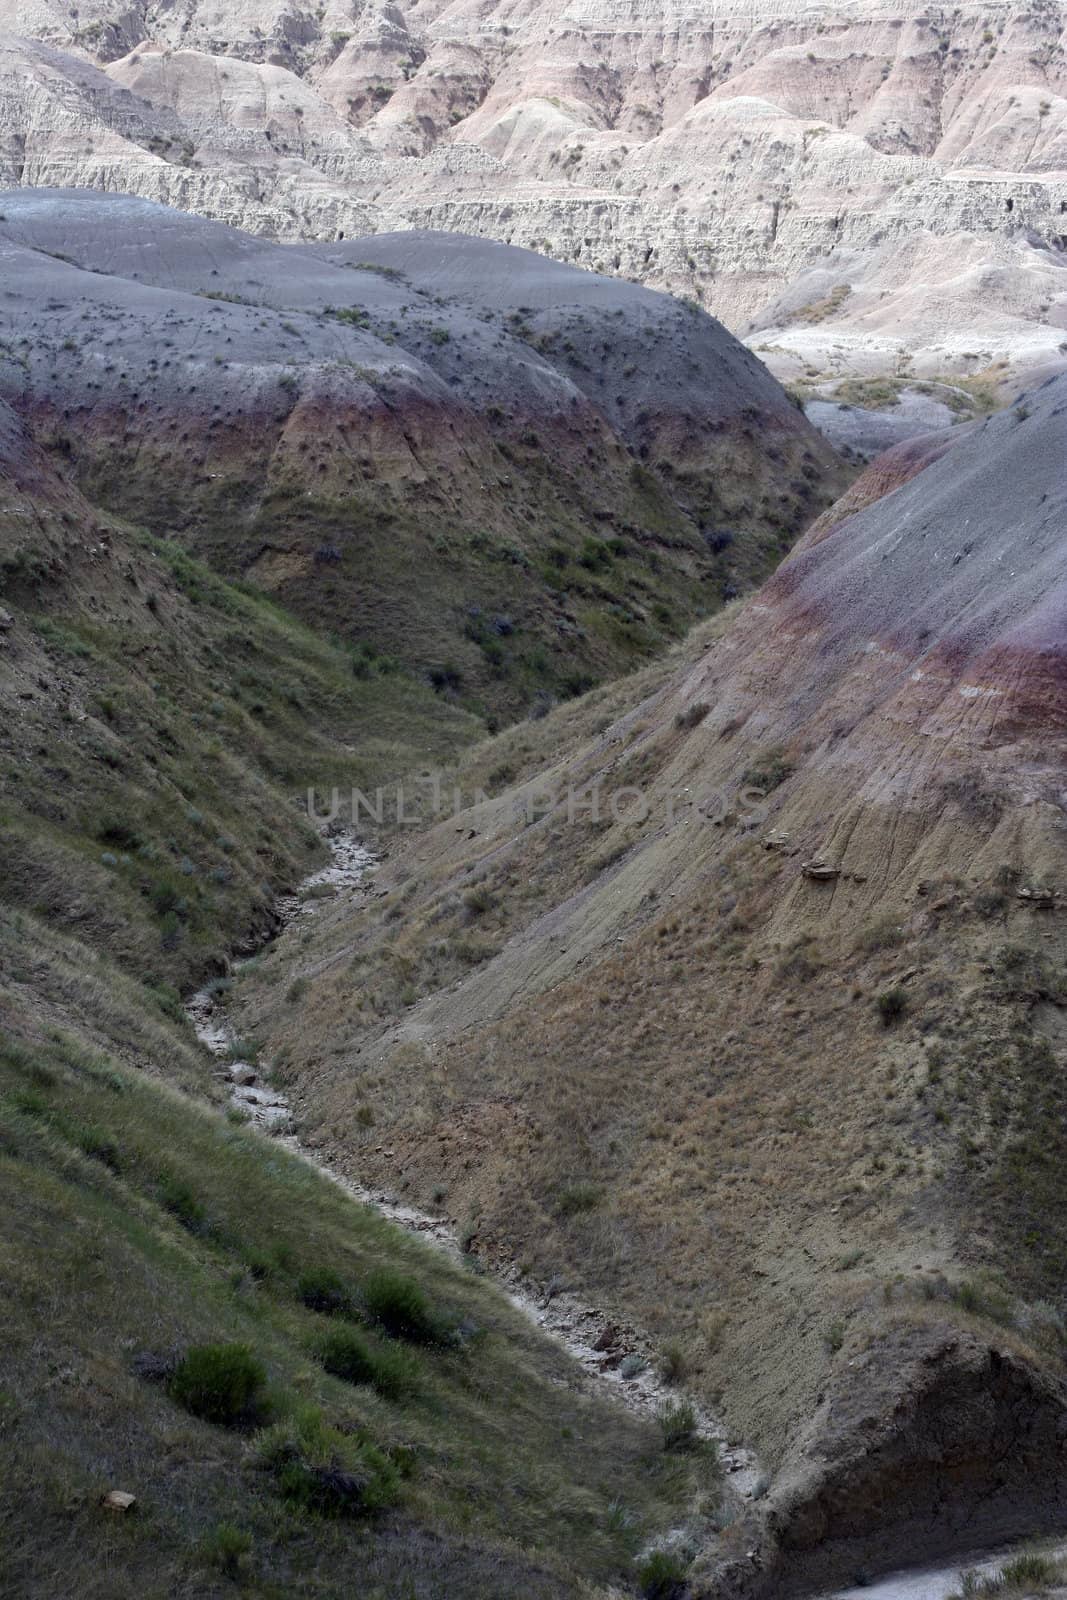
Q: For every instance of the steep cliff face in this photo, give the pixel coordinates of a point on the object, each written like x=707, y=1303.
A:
x=514, y=498
x=858, y=188
x=742, y=1008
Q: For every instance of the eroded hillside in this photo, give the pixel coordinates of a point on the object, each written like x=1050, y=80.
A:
x=512, y=476
x=741, y=1010
x=288, y=1388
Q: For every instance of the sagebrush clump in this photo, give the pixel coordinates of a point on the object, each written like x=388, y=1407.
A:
x=219, y=1383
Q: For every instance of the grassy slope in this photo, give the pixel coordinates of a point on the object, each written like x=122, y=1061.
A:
x=162, y=728
x=138, y=1222
x=158, y=728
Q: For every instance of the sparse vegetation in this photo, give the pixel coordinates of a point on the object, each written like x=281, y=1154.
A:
x=679, y=1424
x=218, y=1382
x=892, y=1005
x=1032, y=1573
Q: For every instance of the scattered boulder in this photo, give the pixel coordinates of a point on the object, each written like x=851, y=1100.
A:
x=118, y=1500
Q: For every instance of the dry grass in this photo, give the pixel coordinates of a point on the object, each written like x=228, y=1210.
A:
x=674, y=1023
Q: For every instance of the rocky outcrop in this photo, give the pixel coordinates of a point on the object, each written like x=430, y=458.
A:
x=941, y=1443
x=555, y=456
x=858, y=188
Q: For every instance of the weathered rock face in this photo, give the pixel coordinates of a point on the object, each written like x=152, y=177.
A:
x=515, y=476
x=942, y=1444
x=858, y=186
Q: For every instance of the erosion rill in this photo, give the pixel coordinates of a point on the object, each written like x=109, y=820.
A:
x=621, y=1361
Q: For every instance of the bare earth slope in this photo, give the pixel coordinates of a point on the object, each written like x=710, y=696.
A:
x=743, y=1012
x=517, y=504
x=859, y=186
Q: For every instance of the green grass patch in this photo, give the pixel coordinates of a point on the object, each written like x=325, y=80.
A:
x=141, y=1354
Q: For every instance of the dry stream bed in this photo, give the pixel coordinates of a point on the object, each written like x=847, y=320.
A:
x=592, y=1338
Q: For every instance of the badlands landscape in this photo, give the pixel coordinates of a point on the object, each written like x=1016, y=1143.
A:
x=868, y=190
x=533, y=801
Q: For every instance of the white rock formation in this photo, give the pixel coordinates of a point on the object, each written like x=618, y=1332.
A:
x=858, y=185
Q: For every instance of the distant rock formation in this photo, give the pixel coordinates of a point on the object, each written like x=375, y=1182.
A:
x=857, y=189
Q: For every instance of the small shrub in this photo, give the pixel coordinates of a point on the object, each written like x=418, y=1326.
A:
x=768, y=771
x=882, y=935
x=226, y=1549
x=800, y=965
x=673, y=1365
x=679, y=1424
x=323, y=1290
x=243, y=1050
x=661, y=1576
x=178, y=1198
x=219, y=1383
x=576, y=1198
x=325, y=1471
x=296, y=990
x=693, y=716
x=100, y=1147
x=478, y=900
x=619, y=1518
x=346, y=1354
x=166, y=898
x=892, y=1004
x=399, y=1306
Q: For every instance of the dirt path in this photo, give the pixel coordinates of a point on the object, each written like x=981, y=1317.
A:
x=936, y=1583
